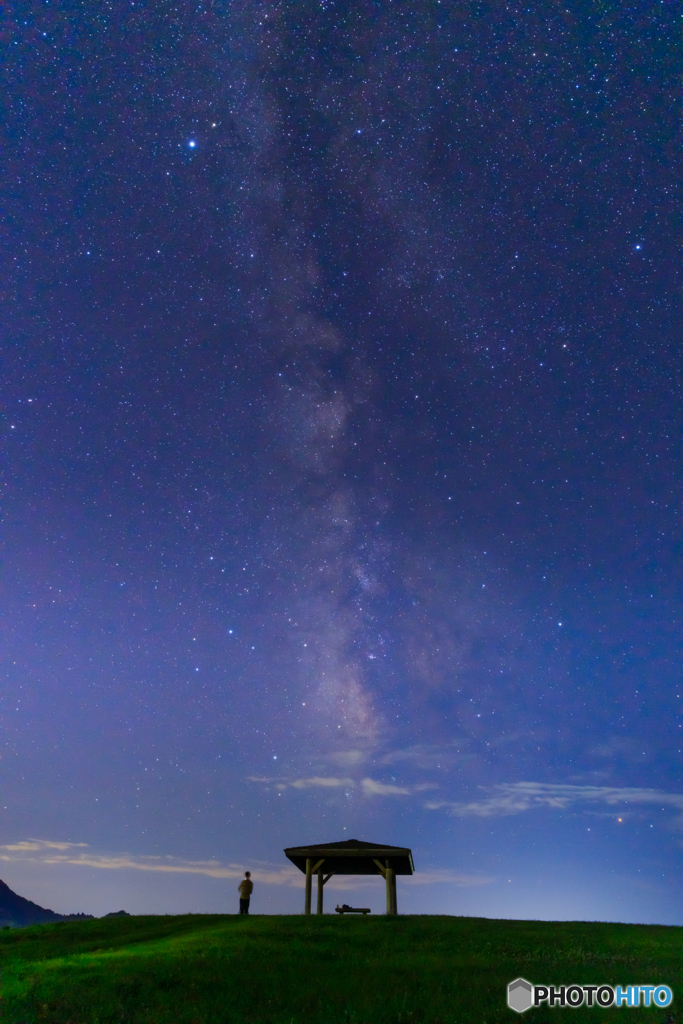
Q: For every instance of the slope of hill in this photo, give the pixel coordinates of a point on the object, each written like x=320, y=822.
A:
x=18, y=912
x=211, y=969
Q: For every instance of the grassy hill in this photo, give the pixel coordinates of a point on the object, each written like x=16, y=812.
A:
x=204, y=969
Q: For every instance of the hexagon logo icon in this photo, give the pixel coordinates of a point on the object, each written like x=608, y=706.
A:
x=520, y=995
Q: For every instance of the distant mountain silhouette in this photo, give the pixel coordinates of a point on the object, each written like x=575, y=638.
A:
x=19, y=912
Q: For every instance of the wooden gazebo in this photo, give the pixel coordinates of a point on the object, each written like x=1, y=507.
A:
x=351, y=857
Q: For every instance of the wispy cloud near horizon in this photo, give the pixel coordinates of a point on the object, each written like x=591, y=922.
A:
x=59, y=854
x=518, y=797
x=29, y=845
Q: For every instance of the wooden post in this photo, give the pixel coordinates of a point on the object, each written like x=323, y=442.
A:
x=309, y=883
x=390, y=876
x=320, y=891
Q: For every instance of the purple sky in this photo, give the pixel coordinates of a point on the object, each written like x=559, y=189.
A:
x=342, y=434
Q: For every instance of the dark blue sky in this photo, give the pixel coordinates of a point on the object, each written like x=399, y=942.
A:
x=342, y=363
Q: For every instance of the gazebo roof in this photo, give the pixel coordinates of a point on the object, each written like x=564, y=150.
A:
x=353, y=857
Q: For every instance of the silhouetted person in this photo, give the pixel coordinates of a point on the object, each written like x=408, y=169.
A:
x=246, y=887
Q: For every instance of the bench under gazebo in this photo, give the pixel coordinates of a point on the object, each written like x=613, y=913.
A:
x=351, y=857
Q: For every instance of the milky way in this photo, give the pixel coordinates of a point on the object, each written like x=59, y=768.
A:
x=342, y=360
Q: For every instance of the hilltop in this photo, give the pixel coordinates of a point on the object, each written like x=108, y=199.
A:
x=18, y=912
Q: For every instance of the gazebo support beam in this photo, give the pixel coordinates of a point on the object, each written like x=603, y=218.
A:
x=319, y=908
x=312, y=869
x=390, y=901
x=309, y=884
x=390, y=876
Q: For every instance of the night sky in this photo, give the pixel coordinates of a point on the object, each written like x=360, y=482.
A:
x=342, y=353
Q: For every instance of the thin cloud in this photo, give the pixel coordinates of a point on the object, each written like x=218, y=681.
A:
x=446, y=877
x=427, y=755
x=371, y=787
x=115, y=863
x=322, y=781
x=46, y=852
x=420, y=878
x=619, y=747
x=518, y=797
x=28, y=845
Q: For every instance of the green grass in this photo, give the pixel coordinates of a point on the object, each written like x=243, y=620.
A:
x=330, y=970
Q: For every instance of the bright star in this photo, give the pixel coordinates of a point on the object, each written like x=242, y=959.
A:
x=192, y=143
x=638, y=247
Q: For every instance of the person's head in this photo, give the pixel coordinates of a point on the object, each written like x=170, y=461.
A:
x=247, y=874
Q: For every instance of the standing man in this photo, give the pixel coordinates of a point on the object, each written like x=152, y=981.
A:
x=246, y=887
